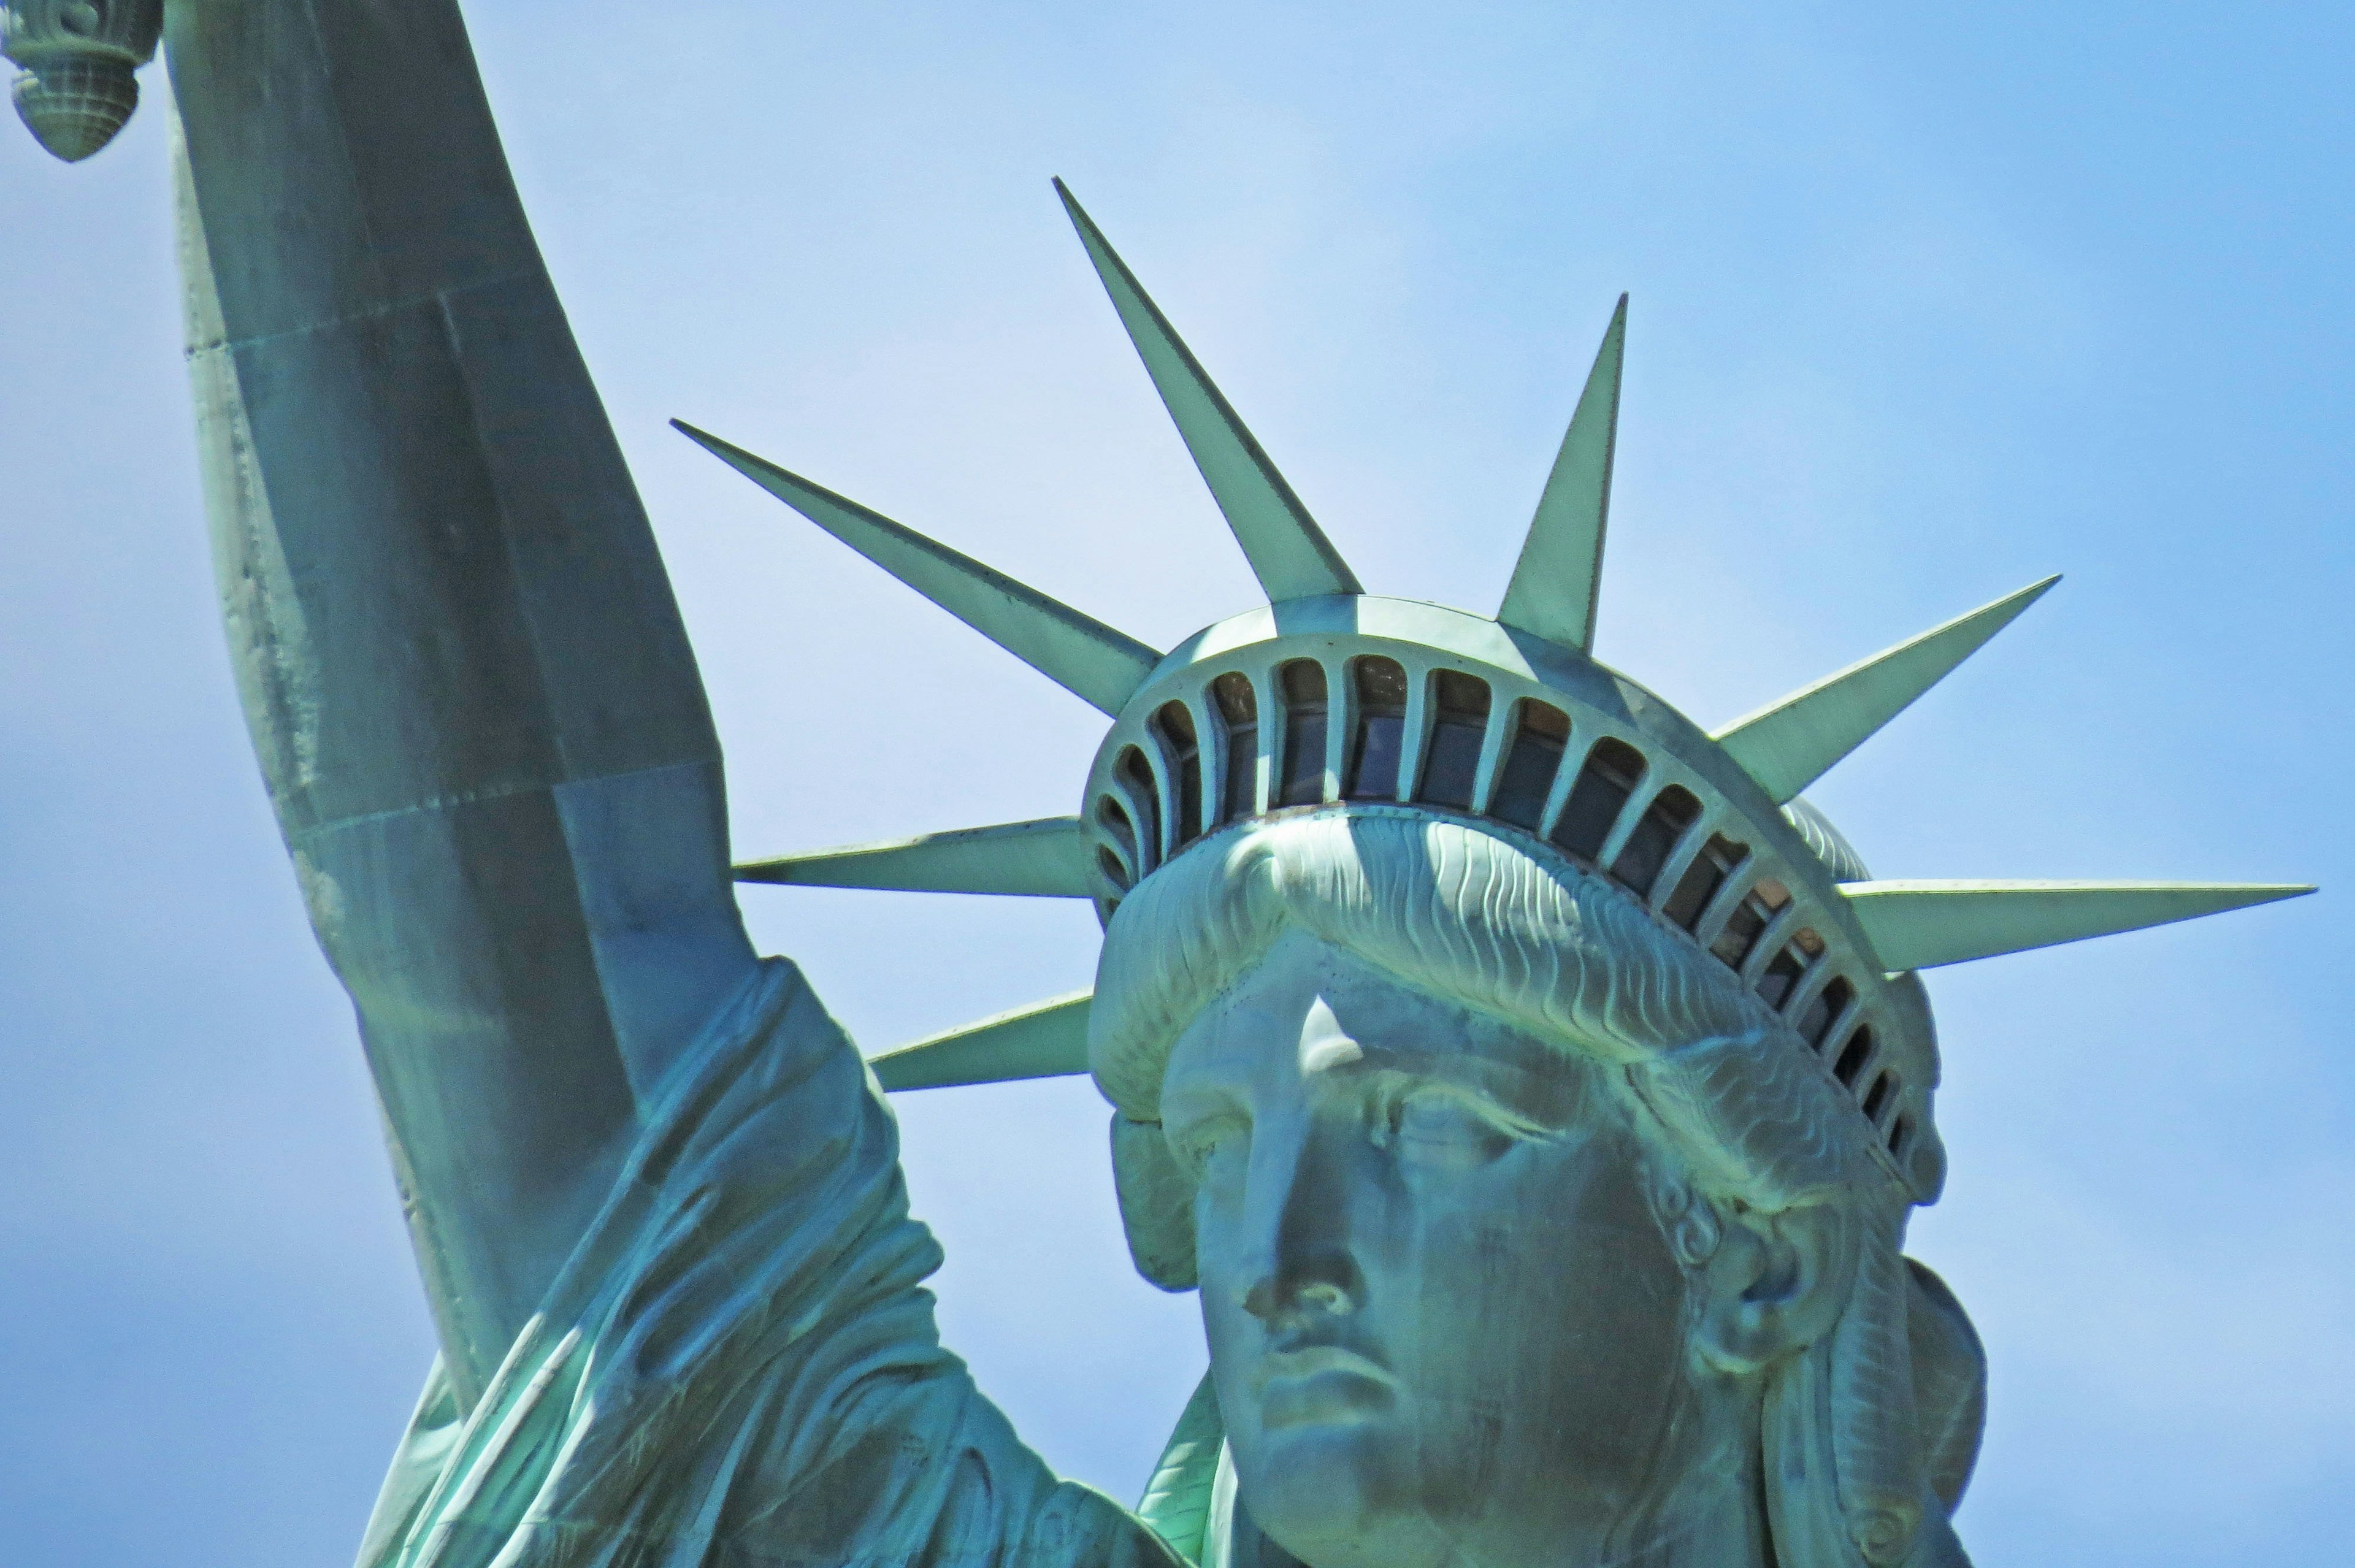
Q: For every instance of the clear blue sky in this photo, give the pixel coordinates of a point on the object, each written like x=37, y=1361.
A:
x=1927, y=302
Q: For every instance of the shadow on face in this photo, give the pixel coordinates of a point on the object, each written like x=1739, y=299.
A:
x=1443, y=1322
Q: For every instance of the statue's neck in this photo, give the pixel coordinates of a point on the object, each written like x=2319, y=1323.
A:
x=1726, y=1529
x=1707, y=1507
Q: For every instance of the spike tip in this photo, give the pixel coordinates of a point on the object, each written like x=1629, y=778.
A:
x=1046, y=1039
x=1289, y=552
x=1044, y=858
x=1077, y=651
x=1790, y=743
x=1178, y=1501
x=1559, y=579
x=1923, y=924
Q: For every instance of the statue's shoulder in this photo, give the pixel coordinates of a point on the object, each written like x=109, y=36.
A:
x=1078, y=1525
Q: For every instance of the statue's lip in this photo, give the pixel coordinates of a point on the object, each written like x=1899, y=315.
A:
x=1300, y=1364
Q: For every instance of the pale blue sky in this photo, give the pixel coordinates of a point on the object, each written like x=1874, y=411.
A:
x=1924, y=307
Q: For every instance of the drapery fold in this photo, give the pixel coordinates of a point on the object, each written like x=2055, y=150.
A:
x=739, y=1367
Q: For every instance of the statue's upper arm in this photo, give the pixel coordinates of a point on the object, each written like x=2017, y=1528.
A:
x=465, y=676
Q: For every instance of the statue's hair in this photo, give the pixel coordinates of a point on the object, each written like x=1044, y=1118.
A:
x=1536, y=942
x=1527, y=936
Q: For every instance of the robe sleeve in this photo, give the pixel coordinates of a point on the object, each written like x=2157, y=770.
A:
x=739, y=1367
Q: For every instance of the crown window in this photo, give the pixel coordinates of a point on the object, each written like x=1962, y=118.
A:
x=1174, y=728
x=1114, y=872
x=1876, y=1099
x=1852, y=1058
x=1116, y=821
x=1303, y=733
x=1900, y=1132
x=1540, y=732
x=1816, y=1019
x=1239, y=713
x=1138, y=774
x=1672, y=811
x=1456, y=736
x=1698, y=887
x=1380, y=687
x=1782, y=976
x=1748, y=922
x=1612, y=770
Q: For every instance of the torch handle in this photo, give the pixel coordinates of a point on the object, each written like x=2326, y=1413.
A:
x=77, y=88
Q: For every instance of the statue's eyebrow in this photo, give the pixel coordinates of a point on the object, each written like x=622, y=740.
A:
x=1457, y=1066
x=1505, y=1113
x=1506, y=1050
x=1512, y=1082
x=1190, y=1104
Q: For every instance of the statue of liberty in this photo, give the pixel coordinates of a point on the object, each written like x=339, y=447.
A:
x=1534, y=1087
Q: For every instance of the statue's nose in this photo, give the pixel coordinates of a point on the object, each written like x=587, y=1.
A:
x=1278, y=1299
x=1303, y=1265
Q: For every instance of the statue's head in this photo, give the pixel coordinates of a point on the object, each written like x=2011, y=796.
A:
x=1525, y=1233
x=1535, y=1086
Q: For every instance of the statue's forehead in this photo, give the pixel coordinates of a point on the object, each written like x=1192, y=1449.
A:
x=1306, y=995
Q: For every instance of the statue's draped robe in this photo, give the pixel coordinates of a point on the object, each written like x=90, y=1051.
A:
x=738, y=1366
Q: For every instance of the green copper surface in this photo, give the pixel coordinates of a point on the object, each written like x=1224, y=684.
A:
x=1177, y=1500
x=1045, y=1040
x=1794, y=741
x=1044, y=858
x=1287, y=550
x=1077, y=651
x=1559, y=579
x=466, y=682
x=1418, y=924
x=77, y=88
x=1917, y=924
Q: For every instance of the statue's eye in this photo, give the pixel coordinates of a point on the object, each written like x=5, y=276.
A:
x=1445, y=1126
x=1213, y=1145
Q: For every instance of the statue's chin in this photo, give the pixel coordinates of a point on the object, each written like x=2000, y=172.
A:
x=1340, y=1494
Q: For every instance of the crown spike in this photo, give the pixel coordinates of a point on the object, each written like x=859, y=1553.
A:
x=1045, y=1040
x=1178, y=1499
x=1790, y=743
x=1043, y=859
x=1289, y=552
x=1922, y=924
x=1558, y=580
x=1081, y=654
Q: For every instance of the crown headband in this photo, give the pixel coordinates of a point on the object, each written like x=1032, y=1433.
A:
x=1328, y=694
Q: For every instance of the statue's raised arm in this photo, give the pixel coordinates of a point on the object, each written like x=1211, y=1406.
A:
x=465, y=676
x=654, y=1193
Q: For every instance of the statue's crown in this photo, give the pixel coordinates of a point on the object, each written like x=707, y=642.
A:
x=1328, y=694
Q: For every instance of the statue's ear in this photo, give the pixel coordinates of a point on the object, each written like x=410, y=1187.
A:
x=1775, y=1284
x=1157, y=1203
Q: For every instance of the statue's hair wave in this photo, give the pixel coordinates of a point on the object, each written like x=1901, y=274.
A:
x=1517, y=931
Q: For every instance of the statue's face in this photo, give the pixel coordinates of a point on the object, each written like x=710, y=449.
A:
x=1443, y=1322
